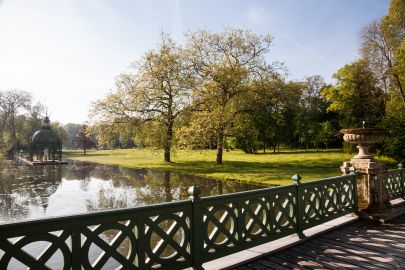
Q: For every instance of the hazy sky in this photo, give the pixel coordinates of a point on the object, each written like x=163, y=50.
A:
x=68, y=53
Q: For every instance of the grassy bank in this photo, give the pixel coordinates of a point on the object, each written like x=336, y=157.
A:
x=268, y=169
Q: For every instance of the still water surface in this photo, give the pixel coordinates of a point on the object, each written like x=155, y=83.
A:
x=31, y=192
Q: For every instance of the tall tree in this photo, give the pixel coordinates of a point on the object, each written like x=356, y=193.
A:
x=84, y=138
x=11, y=104
x=400, y=65
x=274, y=108
x=356, y=96
x=71, y=132
x=156, y=91
x=35, y=114
x=225, y=63
x=312, y=108
x=326, y=133
x=380, y=40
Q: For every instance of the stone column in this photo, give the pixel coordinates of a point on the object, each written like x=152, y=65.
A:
x=372, y=195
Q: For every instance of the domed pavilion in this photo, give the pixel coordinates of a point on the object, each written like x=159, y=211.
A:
x=45, y=143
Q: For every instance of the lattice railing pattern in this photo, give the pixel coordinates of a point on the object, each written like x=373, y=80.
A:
x=327, y=199
x=238, y=221
x=139, y=238
x=175, y=235
x=394, y=184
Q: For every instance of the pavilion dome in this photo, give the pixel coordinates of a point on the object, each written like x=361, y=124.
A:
x=45, y=135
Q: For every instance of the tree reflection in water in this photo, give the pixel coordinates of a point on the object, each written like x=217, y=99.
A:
x=22, y=190
x=28, y=192
x=39, y=191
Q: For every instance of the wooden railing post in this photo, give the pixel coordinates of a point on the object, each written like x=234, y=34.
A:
x=196, y=228
x=299, y=205
x=402, y=180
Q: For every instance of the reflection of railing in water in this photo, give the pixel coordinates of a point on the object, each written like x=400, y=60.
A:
x=180, y=234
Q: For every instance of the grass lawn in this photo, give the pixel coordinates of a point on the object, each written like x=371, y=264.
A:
x=267, y=169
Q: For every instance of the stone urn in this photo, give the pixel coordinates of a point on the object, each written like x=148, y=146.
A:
x=371, y=194
x=364, y=138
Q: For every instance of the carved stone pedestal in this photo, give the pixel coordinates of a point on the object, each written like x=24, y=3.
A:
x=371, y=194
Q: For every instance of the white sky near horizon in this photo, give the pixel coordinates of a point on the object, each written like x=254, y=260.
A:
x=68, y=53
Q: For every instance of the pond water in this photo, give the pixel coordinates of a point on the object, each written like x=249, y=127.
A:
x=31, y=192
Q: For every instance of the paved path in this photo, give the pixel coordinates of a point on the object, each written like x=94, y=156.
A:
x=360, y=245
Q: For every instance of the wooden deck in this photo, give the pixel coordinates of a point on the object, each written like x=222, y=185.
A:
x=360, y=245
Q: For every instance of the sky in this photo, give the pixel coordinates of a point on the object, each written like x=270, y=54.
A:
x=68, y=53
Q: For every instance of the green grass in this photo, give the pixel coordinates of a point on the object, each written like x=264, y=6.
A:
x=267, y=169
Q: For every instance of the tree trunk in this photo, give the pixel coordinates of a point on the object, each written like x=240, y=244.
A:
x=13, y=131
x=168, y=143
x=401, y=90
x=167, y=154
x=264, y=144
x=220, y=140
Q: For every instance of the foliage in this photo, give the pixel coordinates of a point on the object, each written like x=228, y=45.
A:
x=311, y=111
x=155, y=92
x=219, y=91
x=394, y=145
x=60, y=131
x=247, y=135
x=356, y=96
x=197, y=131
x=84, y=138
x=400, y=64
x=71, y=130
x=326, y=133
x=379, y=42
x=19, y=118
x=349, y=148
x=225, y=63
x=383, y=49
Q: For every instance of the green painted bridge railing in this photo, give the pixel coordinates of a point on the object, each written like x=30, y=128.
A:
x=175, y=235
x=394, y=183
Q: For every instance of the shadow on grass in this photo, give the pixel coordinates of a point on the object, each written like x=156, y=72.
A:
x=292, y=151
x=270, y=170
x=80, y=154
